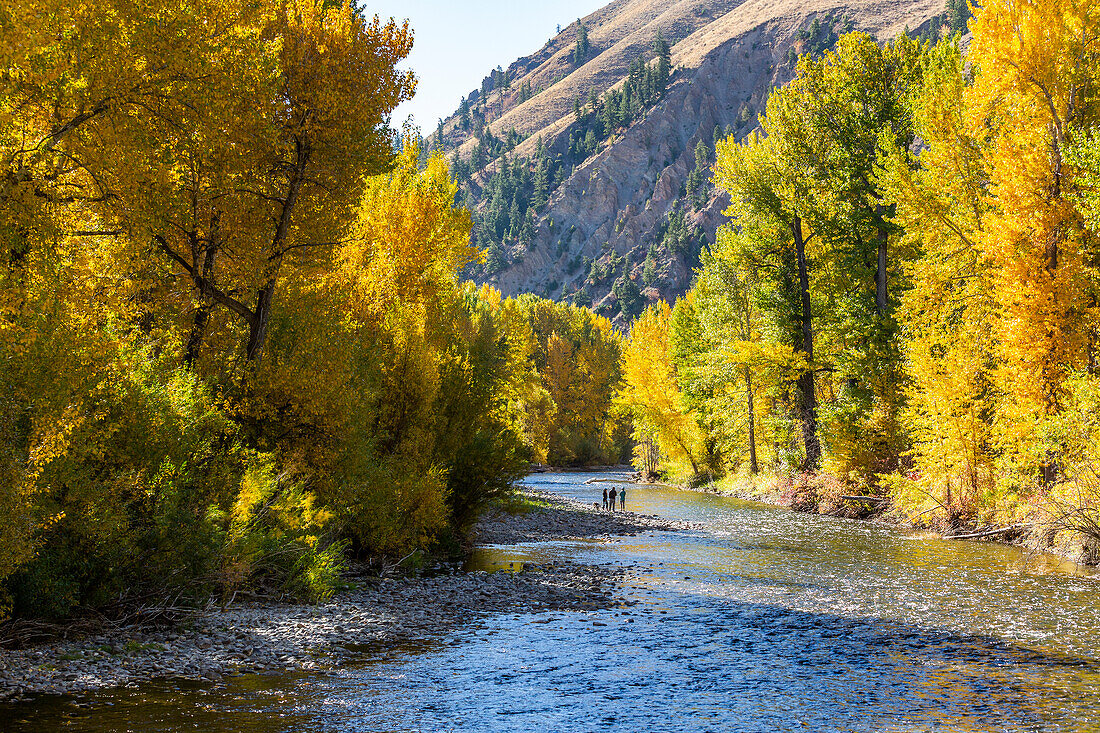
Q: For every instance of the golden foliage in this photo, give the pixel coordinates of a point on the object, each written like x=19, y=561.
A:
x=577, y=356
x=958, y=376
x=182, y=189
x=652, y=394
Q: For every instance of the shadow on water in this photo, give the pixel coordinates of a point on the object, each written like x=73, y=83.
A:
x=757, y=667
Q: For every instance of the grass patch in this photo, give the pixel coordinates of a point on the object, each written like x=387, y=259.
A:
x=518, y=503
x=133, y=647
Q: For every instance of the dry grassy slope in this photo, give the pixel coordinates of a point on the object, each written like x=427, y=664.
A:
x=725, y=53
x=617, y=33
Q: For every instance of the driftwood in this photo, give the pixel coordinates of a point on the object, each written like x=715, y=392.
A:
x=986, y=532
x=387, y=568
x=878, y=499
x=19, y=633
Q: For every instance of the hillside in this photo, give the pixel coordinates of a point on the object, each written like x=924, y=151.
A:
x=587, y=163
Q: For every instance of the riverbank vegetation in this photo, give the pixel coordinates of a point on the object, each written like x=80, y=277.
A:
x=904, y=302
x=234, y=346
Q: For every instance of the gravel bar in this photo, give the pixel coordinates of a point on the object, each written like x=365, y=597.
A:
x=254, y=637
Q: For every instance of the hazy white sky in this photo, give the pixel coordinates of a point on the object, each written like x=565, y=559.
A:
x=457, y=43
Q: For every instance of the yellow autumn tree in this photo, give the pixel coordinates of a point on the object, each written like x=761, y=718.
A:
x=731, y=367
x=65, y=70
x=577, y=355
x=229, y=137
x=525, y=402
x=950, y=312
x=1001, y=315
x=183, y=188
x=360, y=353
x=652, y=394
x=1036, y=80
x=321, y=127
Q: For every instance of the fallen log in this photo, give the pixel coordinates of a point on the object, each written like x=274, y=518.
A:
x=986, y=533
x=879, y=499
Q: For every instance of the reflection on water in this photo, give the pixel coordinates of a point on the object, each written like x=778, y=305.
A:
x=767, y=620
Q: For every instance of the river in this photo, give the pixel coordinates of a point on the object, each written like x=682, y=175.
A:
x=763, y=620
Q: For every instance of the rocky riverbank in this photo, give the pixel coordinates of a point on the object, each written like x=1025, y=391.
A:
x=264, y=638
x=826, y=495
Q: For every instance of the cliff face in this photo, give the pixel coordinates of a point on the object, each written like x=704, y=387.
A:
x=613, y=207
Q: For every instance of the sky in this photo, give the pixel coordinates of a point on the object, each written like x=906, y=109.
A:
x=458, y=42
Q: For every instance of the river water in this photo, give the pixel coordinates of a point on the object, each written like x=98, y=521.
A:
x=764, y=620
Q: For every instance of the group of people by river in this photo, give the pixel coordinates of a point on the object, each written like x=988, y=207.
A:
x=609, y=498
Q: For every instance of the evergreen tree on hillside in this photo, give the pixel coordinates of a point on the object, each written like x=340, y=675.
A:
x=541, y=184
x=697, y=179
x=494, y=259
x=464, y=113
x=958, y=14
x=628, y=294
x=649, y=272
x=590, y=144
x=609, y=113
x=664, y=60
x=580, y=50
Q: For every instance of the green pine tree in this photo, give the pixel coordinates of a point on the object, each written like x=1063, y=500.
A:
x=664, y=61
x=541, y=184
x=580, y=49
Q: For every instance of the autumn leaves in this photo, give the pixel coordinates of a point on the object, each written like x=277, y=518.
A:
x=911, y=255
x=234, y=344
x=231, y=137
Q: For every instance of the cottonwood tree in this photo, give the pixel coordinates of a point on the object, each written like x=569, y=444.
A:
x=324, y=124
x=222, y=134
x=825, y=133
x=652, y=393
x=1003, y=309
x=767, y=233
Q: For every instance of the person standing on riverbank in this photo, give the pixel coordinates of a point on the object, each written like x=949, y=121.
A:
x=605, y=497
x=612, y=495
x=622, y=498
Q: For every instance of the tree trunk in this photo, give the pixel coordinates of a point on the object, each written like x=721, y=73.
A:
x=257, y=326
x=754, y=467
x=880, y=275
x=198, y=332
x=691, y=458
x=206, y=294
x=651, y=459
x=806, y=381
x=1048, y=469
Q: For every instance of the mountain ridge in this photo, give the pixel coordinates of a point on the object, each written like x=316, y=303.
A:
x=602, y=236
